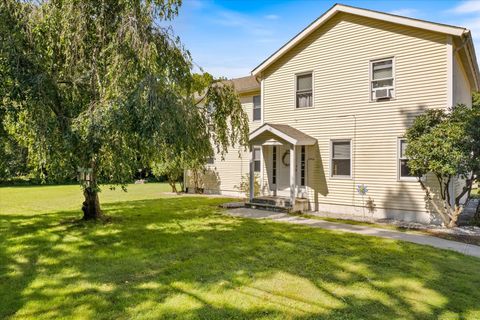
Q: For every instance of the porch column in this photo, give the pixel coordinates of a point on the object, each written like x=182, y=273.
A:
x=292, y=174
x=251, y=175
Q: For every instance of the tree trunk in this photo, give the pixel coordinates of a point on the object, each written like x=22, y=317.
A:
x=455, y=215
x=91, y=205
x=173, y=185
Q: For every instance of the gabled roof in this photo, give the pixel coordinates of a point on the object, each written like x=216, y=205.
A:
x=337, y=8
x=284, y=132
x=245, y=84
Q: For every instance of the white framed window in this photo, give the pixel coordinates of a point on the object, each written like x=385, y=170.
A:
x=403, y=170
x=304, y=90
x=341, y=159
x=257, y=154
x=257, y=108
x=382, y=79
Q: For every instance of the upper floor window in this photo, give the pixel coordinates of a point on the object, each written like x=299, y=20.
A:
x=382, y=79
x=304, y=90
x=341, y=159
x=257, y=108
x=403, y=170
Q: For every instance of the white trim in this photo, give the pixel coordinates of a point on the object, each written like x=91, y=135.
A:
x=370, y=84
x=266, y=127
x=293, y=174
x=451, y=30
x=472, y=60
x=262, y=164
x=340, y=177
x=303, y=73
x=449, y=57
x=276, y=132
x=262, y=100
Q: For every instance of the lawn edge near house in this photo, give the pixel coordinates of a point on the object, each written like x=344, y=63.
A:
x=468, y=239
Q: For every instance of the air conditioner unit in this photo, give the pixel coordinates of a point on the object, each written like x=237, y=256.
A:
x=382, y=94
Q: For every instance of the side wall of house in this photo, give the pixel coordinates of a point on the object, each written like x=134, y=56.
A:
x=339, y=55
x=462, y=94
x=462, y=91
x=224, y=176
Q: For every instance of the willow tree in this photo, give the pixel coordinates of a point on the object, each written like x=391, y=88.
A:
x=96, y=87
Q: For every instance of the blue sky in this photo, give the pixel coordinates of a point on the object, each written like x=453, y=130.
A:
x=230, y=37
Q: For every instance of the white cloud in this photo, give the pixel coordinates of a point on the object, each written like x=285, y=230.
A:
x=470, y=6
x=405, y=12
x=272, y=17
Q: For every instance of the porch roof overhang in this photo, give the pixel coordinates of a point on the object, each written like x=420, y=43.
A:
x=282, y=133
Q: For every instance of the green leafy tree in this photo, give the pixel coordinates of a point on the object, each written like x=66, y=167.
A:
x=446, y=144
x=97, y=86
x=13, y=157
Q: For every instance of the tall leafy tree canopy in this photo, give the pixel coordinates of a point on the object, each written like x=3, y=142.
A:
x=101, y=87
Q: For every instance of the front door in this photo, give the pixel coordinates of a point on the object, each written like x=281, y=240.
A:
x=283, y=171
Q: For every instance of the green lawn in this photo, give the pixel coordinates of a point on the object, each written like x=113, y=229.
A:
x=33, y=199
x=180, y=258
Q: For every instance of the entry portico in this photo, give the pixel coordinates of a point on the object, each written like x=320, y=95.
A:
x=281, y=135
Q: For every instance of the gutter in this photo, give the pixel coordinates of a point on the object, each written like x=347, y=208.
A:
x=470, y=52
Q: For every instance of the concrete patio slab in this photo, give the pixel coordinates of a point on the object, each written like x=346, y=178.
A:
x=467, y=249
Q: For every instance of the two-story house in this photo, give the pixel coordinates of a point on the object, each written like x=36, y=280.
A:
x=329, y=108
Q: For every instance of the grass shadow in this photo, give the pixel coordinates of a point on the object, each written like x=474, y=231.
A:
x=181, y=258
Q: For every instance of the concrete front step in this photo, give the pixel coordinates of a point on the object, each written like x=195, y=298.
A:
x=268, y=207
x=273, y=201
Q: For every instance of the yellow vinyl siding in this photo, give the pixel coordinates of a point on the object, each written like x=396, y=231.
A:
x=339, y=54
x=461, y=86
x=224, y=176
x=461, y=94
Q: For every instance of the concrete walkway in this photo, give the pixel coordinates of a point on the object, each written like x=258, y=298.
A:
x=467, y=249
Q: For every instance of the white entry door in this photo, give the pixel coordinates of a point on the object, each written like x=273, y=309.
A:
x=283, y=171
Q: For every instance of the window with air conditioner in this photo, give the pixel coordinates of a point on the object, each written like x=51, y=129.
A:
x=304, y=90
x=382, y=79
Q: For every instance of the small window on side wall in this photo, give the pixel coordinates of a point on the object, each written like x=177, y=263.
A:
x=341, y=159
x=382, y=79
x=403, y=170
x=257, y=108
x=304, y=91
x=256, y=159
x=210, y=160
